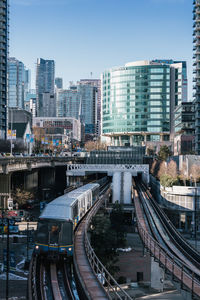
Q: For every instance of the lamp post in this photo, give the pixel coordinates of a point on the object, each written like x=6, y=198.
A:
x=7, y=260
x=11, y=125
x=195, y=216
x=195, y=212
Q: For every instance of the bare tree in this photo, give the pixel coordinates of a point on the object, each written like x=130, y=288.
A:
x=172, y=169
x=21, y=196
x=195, y=173
x=183, y=173
x=95, y=145
x=162, y=169
x=153, y=168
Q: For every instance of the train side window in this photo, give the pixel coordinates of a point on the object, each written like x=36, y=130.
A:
x=75, y=210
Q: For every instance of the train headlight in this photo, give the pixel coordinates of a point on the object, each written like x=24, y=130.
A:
x=70, y=249
x=36, y=247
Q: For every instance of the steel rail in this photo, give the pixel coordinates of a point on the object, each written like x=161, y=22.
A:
x=163, y=257
x=194, y=255
x=54, y=282
x=169, y=245
x=66, y=278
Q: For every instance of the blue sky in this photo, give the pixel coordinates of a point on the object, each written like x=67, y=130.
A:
x=85, y=36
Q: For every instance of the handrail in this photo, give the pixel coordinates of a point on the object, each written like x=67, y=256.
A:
x=108, y=283
x=167, y=261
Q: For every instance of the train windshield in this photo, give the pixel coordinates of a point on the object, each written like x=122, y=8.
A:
x=54, y=229
x=41, y=234
x=67, y=233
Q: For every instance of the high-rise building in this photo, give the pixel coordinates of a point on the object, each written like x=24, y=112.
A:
x=196, y=64
x=18, y=83
x=59, y=83
x=88, y=98
x=45, y=79
x=184, y=130
x=4, y=11
x=79, y=102
x=138, y=101
x=68, y=103
x=96, y=83
x=49, y=105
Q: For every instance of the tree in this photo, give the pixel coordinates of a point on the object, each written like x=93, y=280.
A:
x=155, y=168
x=183, y=173
x=104, y=241
x=19, y=146
x=117, y=224
x=172, y=169
x=164, y=153
x=166, y=180
x=162, y=169
x=195, y=173
x=95, y=145
x=21, y=196
x=5, y=146
x=151, y=151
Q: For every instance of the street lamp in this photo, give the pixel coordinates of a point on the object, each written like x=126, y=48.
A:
x=195, y=213
x=11, y=126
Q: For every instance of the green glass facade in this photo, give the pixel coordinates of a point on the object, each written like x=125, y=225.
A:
x=136, y=99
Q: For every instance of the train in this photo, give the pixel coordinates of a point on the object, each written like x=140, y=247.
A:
x=56, y=224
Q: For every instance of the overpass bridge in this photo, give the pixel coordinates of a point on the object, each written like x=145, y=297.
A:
x=121, y=177
x=28, y=167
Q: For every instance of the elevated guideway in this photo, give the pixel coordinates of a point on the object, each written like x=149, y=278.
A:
x=178, y=259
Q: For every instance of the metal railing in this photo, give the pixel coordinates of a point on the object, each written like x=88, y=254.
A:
x=105, y=279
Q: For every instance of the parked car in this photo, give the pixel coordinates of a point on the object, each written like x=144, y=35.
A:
x=18, y=154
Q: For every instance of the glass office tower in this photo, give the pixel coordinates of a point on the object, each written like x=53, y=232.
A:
x=45, y=79
x=18, y=83
x=138, y=100
x=4, y=11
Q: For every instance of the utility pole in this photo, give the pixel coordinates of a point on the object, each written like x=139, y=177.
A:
x=8, y=261
x=11, y=126
x=195, y=216
x=27, y=241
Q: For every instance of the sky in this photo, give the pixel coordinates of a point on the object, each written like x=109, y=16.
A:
x=90, y=36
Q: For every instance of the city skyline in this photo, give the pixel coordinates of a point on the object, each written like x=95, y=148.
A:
x=88, y=36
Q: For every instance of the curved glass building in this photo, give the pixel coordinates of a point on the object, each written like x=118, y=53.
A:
x=136, y=100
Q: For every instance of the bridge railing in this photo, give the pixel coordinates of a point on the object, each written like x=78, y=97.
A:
x=105, y=279
x=166, y=260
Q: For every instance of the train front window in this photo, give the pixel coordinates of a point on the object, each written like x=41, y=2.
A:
x=54, y=230
x=42, y=232
x=67, y=233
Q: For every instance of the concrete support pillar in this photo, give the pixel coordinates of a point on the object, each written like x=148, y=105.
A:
x=120, y=140
x=161, y=138
x=145, y=138
x=112, y=141
x=131, y=140
x=127, y=187
x=157, y=276
x=5, y=189
x=67, y=181
x=116, y=183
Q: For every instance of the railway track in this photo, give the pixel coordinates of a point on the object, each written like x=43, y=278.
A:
x=49, y=281
x=168, y=236
x=165, y=243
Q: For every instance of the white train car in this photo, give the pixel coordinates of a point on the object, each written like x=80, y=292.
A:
x=60, y=217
